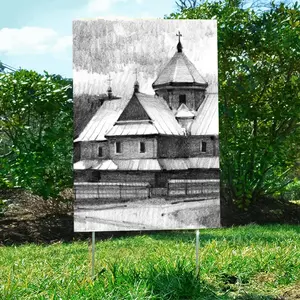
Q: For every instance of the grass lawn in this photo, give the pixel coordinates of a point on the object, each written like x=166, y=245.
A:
x=251, y=262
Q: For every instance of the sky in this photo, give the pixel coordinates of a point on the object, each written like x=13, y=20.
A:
x=37, y=34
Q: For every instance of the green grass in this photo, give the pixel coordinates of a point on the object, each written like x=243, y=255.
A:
x=251, y=262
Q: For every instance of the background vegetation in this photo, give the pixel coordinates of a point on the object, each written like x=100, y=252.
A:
x=259, y=88
x=259, y=63
x=36, y=132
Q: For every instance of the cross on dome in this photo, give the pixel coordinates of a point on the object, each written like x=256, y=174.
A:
x=179, y=35
x=179, y=46
x=109, y=80
x=136, y=74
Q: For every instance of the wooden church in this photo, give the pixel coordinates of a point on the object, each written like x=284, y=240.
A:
x=154, y=138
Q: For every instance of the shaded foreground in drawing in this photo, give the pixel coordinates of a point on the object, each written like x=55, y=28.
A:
x=151, y=162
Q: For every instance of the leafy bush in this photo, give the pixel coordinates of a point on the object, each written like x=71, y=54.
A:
x=292, y=191
x=36, y=132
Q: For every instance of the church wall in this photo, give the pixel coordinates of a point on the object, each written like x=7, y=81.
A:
x=190, y=146
x=90, y=150
x=87, y=176
x=161, y=178
x=194, y=146
x=128, y=176
x=157, y=179
x=76, y=152
x=171, y=147
x=193, y=97
x=161, y=147
x=199, y=97
x=217, y=146
x=130, y=148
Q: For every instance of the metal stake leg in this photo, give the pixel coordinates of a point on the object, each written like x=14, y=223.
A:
x=197, y=252
x=93, y=254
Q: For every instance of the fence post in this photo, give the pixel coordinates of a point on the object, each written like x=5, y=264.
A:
x=93, y=255
x=185, y=186
x=197, y=252
x=120, y=186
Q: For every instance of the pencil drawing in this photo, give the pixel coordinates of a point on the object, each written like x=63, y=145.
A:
x=146, y=155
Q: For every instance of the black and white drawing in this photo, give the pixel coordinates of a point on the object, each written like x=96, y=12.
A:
x=146, y=145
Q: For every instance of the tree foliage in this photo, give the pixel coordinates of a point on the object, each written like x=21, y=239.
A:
x=186, y=4
x=259, y=96
x=36, y=132
x=259, y=63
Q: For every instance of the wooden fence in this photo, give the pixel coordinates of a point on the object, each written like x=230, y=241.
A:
x=142, y=190
x=185, y=187
x=111, y=190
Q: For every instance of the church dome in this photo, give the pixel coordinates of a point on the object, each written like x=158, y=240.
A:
x=179, y=70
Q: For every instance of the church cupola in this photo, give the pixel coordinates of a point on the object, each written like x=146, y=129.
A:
x=109, y=89
x=136, y=86
x=185, y=117
x=109, y=92
x=180, y=82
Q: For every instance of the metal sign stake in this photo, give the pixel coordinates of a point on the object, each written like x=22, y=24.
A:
x=93, y=254
x=197, y=252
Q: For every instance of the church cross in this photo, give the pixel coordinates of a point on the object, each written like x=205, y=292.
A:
x=136, y=74
x=179, y=35
x=109, y=80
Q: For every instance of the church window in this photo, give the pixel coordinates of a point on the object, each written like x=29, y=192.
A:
x=118, y=147
x=100, y=151
x=182, y=99
x=203, y=146
x=142, y=147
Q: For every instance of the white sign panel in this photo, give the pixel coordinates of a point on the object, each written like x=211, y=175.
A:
x=146, y=140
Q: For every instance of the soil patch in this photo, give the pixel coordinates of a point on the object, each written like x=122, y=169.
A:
x=264, y=211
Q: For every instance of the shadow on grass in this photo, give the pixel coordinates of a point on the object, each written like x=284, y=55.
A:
x=167, y=282
x=158, y=282
x=180, y=283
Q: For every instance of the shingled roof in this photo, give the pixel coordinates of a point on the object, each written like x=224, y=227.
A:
x=207, y=118
x=102, y=121
x=184, y=112
x=161, y=118
x=159, y=111
x=179, y=70
x=146, y=164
